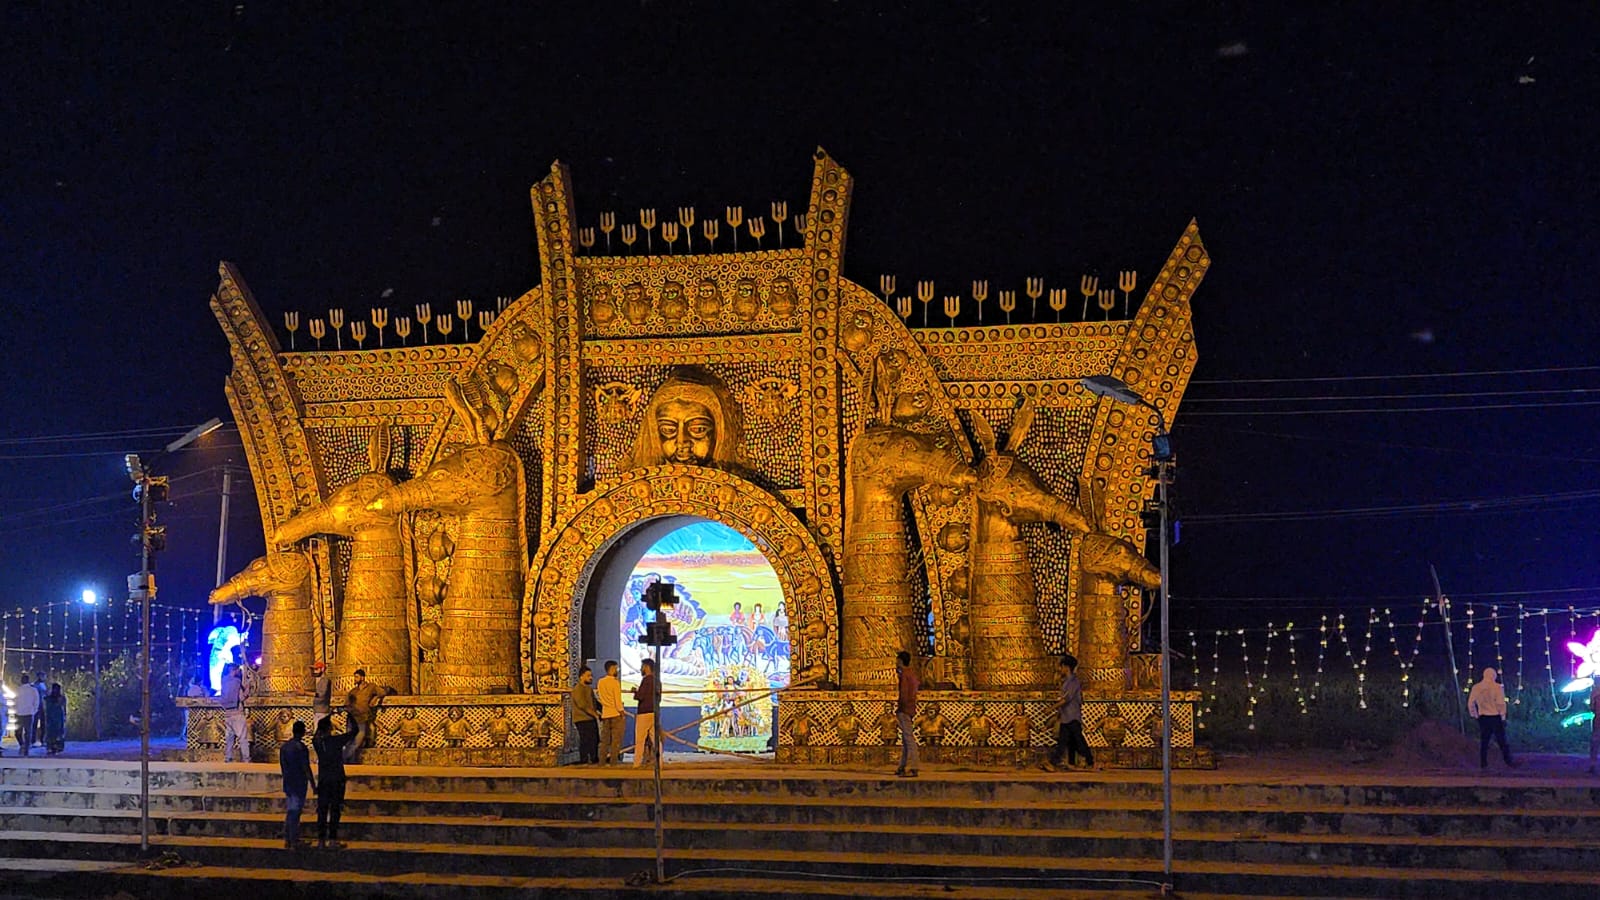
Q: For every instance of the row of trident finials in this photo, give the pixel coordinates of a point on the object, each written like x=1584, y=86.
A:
x=1034, y=288
x=444, y=323
x=651, y=224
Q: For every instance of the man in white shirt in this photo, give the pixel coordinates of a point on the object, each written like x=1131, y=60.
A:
x=1487, y=704
x=25, y=706
x=610, y=690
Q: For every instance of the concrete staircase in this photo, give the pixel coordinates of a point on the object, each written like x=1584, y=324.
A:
x=749, y=830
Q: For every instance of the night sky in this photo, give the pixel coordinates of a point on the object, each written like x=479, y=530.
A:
x=1384, y=198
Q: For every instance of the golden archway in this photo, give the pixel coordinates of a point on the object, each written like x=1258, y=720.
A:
x=551, y=610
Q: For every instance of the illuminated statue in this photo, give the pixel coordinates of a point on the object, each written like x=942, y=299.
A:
x=482, y=483
x=691, y=420
x=1105, y=565
x=284, y=580
x=372, y=633
x=222, y=640
x=1008, y=650
x=884, y=463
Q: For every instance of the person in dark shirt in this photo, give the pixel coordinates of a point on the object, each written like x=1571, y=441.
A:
x=905, y=713
x=647, y=695
x=1069, y=711
x=586, y=717
x=330, y=749
x=294, y=761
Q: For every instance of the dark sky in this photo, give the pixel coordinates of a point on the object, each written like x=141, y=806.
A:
x=1386, y=192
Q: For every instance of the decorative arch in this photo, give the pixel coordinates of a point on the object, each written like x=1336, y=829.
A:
x=552, y=613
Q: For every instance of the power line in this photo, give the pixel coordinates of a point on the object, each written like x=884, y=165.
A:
x=1409, y=396
x=130, y=433
x=1470, y=451
x=1333, y=378
x=1392, y=409
x=1490, y=504
x=81, y=454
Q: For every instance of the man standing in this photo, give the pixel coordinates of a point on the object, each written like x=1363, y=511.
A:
x=586, y=717
x=1487, y=704
x=905, y=713
x=321, y=694
x=42, y=686
x=25, y=706
x=611, y=717
x=1069, y=711
x=331, y=749
x=294, y=761
x=647, y=696
x=234, y=719
x=361, y=706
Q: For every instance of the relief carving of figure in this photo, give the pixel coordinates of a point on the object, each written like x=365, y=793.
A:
x=674, y=308
x=499, y=728
x=932, y=725
x=708, y=299
x=895, y=395
x=457, y=730
x=284, y=579
x=746, y=300
x=602, y=309
x=409, y=728
x=783, y=300
x=372, y=631
x=636, y=305
x=770, y=398
x=692, y=419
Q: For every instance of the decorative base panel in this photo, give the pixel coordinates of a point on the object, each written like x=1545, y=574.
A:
x=986, y=729
x=431, y=730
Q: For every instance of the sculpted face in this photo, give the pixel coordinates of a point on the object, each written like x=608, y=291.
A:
x=673, y=306
x=746, y=304
x=687, y=431
x=708, y=299
x=635, y=305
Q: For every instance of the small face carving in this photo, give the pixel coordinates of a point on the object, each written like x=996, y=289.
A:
x=635, y=303
x=673, y=306
x=687, y=431
x=746, y=303
x=783, y=300
x=708, y=299
x=602, y=310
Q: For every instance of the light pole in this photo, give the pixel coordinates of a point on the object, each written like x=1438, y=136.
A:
x=1163, y=463
x=92, y=600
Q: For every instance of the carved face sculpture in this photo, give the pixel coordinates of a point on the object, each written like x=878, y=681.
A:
x=1008, y=487
x=746, y=302
x=1118, y=561
x=474, y=477
x=708, y=299
x=784, y=300
x=635, y=303
x=691, y=419
x=673, y=306
x=616, y=401
x=274, y=576
x=602, y=311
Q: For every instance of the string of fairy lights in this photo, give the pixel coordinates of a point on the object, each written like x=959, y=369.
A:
x=1500, y=628
x=61, y=636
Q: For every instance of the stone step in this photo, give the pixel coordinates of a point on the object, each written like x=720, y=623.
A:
x=987, y=787
x=257, y=866
x=1486, y=852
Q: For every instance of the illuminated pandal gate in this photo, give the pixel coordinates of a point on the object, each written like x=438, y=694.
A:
x=439, y=488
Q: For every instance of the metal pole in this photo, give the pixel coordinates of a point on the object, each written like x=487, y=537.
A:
x=146, y=589
x=96, y=613
x=655, y=727
x=222, y=539
x=1163, y=472
x=1450, y=645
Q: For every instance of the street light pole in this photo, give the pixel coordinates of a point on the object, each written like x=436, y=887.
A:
x=1162, y=464
x=92, y=599
x=222, y=538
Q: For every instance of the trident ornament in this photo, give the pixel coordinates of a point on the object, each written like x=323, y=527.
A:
x=464, y=312
x=586, y=238
x=1058, y=301
x=758, y=229
x=800, y=225
x=424, y=316
x=669, y=233
x=902, y=305
x=358, y=332
x=780, y=211
x=709, y=228
x=485, y=319
x=380, y=321
x=291, y=321
x=734, y=215
x=608, y=224
x=402, y=327
x=686, y=219
x=647, y=218
x=336, y=320
x=925, y=294
x=1106, y=301
x=1127, y=281
x=1035, y=290
x=446, y=323
x=1088, y=285
x=500, y=304
x=1008, y=302
x=318, y=329
x=952, y=307
x=630, y=236
x=980, y=293
x=886, y=288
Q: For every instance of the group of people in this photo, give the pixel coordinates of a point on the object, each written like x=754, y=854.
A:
x=40, y=708
x=598, y=715
x=327, y=782
x=360, y=706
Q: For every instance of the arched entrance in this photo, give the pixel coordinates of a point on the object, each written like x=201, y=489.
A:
x=623, y=518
